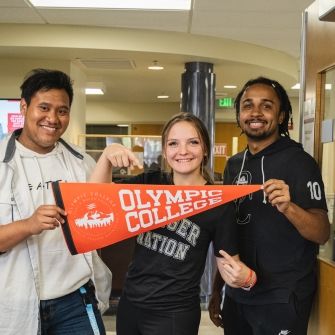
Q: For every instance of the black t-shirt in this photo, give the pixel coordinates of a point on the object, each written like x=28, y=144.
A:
x=283, y=260
x=168, y=262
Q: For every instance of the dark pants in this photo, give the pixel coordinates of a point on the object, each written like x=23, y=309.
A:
x=277, y=319
x=132, y=320
x=68, y=316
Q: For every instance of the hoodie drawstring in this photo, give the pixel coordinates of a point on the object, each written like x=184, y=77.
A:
x=243, y=161
x=263, y=179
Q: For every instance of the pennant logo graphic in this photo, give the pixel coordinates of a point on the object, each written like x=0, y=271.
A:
x=102, y=214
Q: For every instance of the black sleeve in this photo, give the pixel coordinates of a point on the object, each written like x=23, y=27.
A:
x=306, y=185
x=149, y=178
x=138, y=179
x=226, y=231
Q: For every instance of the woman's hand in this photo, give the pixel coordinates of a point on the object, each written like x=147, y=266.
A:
x=114, y=155
x=120, y=156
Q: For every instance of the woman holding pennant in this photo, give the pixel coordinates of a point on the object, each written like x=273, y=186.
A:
x=161, y=291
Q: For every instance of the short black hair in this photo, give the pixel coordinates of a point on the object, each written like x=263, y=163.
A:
x=285, y=104
x=45, y=80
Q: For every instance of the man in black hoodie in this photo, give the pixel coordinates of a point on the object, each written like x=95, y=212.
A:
x=280, y=228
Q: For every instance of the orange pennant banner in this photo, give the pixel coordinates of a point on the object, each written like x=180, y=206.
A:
x=102, y=214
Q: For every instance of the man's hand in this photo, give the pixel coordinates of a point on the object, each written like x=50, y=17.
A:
x=278, y=194
x=234, y=272
x=214, y=308
x=46, y=217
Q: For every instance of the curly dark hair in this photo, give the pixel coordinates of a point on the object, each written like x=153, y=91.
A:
x=285, y=104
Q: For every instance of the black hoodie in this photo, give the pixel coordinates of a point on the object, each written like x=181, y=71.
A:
x=283, y=260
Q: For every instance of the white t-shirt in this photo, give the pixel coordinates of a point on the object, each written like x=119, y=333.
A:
x=60, y=272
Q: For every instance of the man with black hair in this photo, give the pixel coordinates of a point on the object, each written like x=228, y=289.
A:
x=44, y=289
x=280, y=228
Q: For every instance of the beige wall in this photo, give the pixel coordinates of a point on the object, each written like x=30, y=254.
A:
x=13, y=72
x=78, y=109
x=63, y=37
x=160, y=112
x=92, y=111
x=105, y=113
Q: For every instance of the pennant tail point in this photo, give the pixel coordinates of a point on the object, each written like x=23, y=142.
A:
x=65, y=226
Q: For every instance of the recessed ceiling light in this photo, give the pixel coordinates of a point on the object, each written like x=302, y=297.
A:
x=92, y=91
x=163, y=96
x=296, y=86
x=230, y=86
x=116, y=4
x=155, y=66
x=95, y=87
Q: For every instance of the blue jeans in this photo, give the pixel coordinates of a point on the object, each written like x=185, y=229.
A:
x=68, y=316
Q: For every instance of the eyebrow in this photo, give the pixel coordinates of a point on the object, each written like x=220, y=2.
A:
x=263, y=100
x=191, y=138
x=50, y=104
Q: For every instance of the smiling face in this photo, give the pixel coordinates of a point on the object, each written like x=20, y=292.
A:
x=183, y=150
x=46, y=119
x=259, y=115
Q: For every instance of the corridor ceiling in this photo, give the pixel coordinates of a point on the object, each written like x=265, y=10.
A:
x=242, y=38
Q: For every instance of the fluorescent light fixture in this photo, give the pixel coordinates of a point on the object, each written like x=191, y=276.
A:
x=155, y=66
x=95, y=87
x=230, y=86
x=122, y=125
x=92, y=91
x=296, y=86
x=163, y=96
x=115, y=4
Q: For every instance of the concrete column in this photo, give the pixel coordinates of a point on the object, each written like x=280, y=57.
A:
x=198, y=96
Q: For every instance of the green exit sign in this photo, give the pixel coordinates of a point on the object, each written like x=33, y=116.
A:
x=225, y=103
